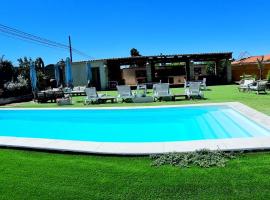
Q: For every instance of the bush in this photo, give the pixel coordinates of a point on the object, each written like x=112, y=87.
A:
x=268, y=76
x=202, y=158
x=20, y=87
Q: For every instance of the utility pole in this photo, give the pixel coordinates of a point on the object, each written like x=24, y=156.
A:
x=70, y=48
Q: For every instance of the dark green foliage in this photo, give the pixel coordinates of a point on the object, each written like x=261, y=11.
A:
x=268, y=76
x=24, y=69
x=211, y=68
x=202, y=158
x=6, y=71
x=134, y=52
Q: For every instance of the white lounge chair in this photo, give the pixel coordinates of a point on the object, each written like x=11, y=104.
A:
x=125, y=93
x=259, y=87
x=194, y=90
x=245, y=84
x=161, y=91
x=92, y=96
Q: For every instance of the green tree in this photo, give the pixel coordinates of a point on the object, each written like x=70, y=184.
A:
x=210, y=68
x=134, y=52
x=40, y=64
x=24, y=67
x=6, y=71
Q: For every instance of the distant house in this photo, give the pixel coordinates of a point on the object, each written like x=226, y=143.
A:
x=249, y=66
x=173, y=69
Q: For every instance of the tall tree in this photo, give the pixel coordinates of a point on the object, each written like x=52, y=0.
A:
x=134, y=52
x=24, y=67
x=40, y=64
x=6, y=70
x=260, y=66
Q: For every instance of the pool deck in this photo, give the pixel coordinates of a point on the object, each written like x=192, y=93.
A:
x=144, y=148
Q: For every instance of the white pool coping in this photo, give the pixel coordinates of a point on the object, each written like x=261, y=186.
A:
x=144, y=148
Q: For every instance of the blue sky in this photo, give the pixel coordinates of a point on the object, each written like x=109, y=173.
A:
x=110, y=28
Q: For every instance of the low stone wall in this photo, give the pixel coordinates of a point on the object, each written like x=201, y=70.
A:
x=4, y=101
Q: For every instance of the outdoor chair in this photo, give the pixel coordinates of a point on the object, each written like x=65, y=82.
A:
x=259, y=87
x=92, y=96
x=203, y=84
x=186, y=84
x=125, y=93
x=161, y=91
x=245, y=84
x=79, y=89
x=141, y=90
x=41, y=97
x=194, y=90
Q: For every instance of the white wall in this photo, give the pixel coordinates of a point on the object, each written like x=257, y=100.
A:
x=79, y=73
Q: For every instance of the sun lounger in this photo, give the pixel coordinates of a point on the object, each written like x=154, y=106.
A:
x=245, y=84
x=125, y=93
x=161, y=91
x=259, y=87
x=92, y=96
x=194, y=90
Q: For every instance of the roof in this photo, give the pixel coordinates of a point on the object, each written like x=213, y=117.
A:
x=251, y=60
x=193, y=55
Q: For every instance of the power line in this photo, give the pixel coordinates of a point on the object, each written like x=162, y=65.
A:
x=15, y=33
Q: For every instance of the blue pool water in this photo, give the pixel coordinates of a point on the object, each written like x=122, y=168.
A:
x=130, y=125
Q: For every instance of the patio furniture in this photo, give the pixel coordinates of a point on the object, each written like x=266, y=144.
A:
x=41, y=97
x=92, y=95
x=245, y=85
x=259, y=87
x=104, y=99
x=176, y=96
x=141, y=90
x=76, y=91
x=145, y=99
x=124, y=92
x=58, y=94
x=203, y=84
x=194, y=90
x=161, y=91
x=186, y=84
x=67, y=100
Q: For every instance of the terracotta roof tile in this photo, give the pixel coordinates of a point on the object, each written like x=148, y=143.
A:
x=252, y=59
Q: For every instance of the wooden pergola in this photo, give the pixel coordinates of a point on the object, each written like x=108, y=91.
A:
x=114, y=64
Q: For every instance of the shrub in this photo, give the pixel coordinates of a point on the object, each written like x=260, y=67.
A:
x=202, y=158
x=19, y=87
x=268, y=76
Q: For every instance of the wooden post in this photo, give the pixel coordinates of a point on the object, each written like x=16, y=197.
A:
x=188, y=70
x=153, y=71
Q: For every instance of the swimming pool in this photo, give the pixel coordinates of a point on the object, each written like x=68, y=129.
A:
x=169, y=124
x=136, y=130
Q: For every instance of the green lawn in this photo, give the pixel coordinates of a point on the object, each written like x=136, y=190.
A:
x=34, y=175
x=214, y=94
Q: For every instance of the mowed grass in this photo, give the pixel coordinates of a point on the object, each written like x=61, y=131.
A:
x=36, y=175
x=225, y=93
